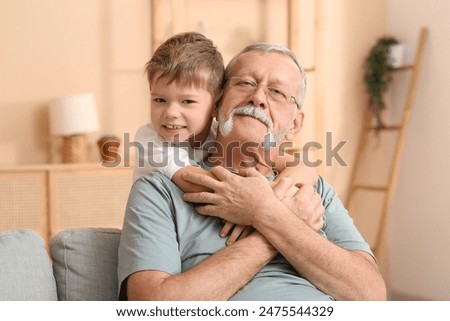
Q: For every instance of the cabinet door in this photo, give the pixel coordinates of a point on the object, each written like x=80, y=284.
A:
x=23, y=201
x=88, y=198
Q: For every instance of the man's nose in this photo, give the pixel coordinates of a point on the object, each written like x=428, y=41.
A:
x=259, y=97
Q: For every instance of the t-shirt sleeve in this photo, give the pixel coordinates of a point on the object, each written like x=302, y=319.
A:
x=148, y=240
x=338, y=225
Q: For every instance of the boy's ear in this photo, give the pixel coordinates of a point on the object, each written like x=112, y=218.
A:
x=296, y=125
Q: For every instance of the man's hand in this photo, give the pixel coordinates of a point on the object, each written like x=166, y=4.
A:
x=233, y=198
x=236, y=199
x=302, y=200
x=235, y=232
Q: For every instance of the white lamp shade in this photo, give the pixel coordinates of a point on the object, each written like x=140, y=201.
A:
x=73, y=115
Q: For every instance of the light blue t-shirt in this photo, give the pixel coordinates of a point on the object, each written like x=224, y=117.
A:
x=162, y=232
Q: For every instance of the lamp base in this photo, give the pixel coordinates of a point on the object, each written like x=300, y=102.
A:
x=75, y=149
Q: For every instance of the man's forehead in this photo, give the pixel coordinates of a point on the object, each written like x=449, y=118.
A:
x=276, y=66
x=253, y=58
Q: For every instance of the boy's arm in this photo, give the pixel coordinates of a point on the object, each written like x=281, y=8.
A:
x=186, y=186
x=289, y=165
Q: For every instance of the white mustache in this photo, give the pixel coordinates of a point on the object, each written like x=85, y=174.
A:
x=254, y=112
x=227, y=125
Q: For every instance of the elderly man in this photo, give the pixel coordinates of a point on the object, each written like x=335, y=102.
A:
x=172, y=250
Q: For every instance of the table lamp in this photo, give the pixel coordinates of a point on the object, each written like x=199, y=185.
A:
x=72, y=117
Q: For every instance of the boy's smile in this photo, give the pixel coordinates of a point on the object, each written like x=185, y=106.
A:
x=173, y=126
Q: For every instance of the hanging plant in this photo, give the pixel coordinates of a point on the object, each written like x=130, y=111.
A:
x=378, y=76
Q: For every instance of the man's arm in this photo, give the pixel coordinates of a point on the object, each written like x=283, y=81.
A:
x=343, y=274
x=218, y=277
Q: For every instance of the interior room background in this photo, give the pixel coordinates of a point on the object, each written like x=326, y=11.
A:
x=50, y=49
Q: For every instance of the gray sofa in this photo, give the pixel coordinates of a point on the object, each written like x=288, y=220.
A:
x=79, y=264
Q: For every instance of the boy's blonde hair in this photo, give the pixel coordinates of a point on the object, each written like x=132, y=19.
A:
x=188, y=58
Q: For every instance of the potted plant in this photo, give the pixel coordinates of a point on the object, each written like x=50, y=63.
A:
x=378, y=76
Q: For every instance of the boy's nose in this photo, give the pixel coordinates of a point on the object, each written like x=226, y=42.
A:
x=172, y=111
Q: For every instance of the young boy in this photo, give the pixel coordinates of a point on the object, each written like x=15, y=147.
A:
x=185, y=78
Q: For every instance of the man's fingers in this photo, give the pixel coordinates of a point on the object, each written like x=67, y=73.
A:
x=226, y=229
x=282, y=186
x=249, y=172
x=235, y=234
x=202, y=180
x=221, y=173
x=205, y=209
x=306, y=192
x=201, y=197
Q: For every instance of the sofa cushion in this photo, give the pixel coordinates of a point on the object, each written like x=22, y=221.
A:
x=25, y=268
x=85, y=263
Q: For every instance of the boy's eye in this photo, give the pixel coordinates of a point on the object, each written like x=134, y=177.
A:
x=159, y=100
x=188, y=101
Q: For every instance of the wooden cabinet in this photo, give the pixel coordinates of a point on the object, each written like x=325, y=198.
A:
x=51, y=198
x=23, y=200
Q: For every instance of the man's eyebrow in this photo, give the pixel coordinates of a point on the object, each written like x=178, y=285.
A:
x=278, y=81
x=272, y=80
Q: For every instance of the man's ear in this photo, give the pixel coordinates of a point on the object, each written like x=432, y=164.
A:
x=296, y=125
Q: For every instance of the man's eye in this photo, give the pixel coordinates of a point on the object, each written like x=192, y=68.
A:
x=276, y=92
x=246, y=83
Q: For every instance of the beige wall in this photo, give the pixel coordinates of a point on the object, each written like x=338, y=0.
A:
x=56, y=48
x=420, y=218
x=346, y=29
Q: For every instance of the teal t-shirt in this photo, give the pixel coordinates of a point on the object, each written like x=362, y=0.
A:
x=162, y=232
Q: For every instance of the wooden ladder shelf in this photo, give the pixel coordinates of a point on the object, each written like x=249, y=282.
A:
x=389, y=188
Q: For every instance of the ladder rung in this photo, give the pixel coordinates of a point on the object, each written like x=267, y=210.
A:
x=371, y=187
x=401, y=68
x=393, y=127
